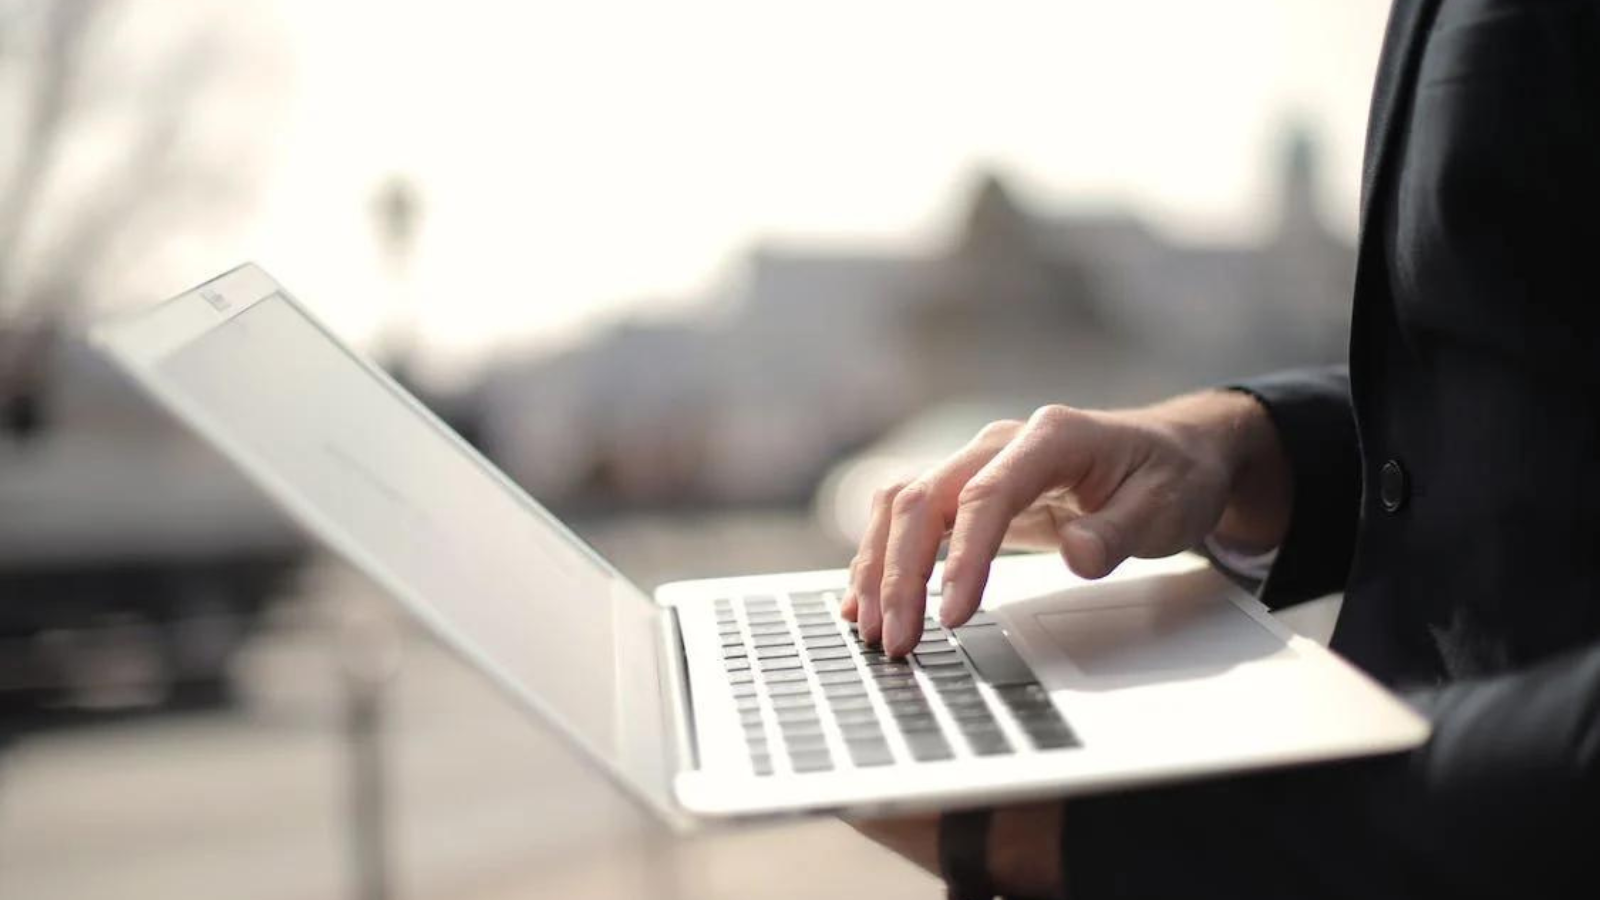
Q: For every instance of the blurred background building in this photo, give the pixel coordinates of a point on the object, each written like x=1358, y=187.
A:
x=700, y=276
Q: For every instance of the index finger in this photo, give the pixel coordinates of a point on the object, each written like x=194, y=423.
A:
x=1045, y=454
x=922, y=513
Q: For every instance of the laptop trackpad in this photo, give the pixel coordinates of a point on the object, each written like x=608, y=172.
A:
x=1132, y=639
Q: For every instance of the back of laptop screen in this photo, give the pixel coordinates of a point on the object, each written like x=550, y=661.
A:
x=383, y=484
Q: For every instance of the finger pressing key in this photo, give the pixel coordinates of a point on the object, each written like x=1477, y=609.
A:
x=869, y=568
x=916, y=528
x=921, y=517
x=1045, y=454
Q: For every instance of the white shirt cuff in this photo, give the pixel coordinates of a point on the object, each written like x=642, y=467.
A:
x=1253, y=566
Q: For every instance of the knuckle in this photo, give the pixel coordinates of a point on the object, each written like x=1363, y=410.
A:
x=978, y=492
x=998, y=430
x=885, y=495
x=911, y=499
x=1053, y=415
x=898, y=583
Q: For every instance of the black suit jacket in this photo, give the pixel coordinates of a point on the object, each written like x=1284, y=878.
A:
x=1449, y=482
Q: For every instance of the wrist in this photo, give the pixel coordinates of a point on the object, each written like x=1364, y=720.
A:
x=1260, y=487
x=1231, y=432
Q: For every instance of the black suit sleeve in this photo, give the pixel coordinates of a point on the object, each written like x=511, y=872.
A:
x=1316, y=425
x=1499, y=803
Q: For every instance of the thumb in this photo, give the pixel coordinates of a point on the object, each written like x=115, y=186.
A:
x=1096, y=543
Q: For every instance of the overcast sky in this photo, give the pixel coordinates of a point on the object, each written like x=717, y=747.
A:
x=578, y=157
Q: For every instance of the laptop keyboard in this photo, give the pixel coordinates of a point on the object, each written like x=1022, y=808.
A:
x=810, y=692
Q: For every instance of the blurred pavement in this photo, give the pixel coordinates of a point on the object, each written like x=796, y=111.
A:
x=249, y=802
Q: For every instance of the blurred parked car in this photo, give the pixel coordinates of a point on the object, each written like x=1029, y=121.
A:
x=133, y=560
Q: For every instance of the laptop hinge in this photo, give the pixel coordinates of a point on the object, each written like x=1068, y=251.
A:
x=675, y=676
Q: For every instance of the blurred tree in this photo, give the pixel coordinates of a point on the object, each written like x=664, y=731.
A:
x=90, y=148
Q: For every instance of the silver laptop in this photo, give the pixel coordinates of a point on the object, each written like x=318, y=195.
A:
x=747, y=696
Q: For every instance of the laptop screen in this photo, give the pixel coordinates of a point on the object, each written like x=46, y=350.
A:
x=406, y=502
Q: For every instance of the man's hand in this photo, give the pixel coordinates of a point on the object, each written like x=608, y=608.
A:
x=1099, y=486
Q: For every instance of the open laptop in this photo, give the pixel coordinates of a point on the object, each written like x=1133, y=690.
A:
x=746, y=696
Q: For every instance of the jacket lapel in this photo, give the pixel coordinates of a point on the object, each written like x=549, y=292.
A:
x=1409, y=23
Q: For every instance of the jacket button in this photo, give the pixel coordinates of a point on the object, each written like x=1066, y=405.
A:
x=1392, y=486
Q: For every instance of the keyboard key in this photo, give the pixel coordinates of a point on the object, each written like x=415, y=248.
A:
x=928, y=746
x=776, y=652
x=860, y=729
x=860, y=740
x=854, y=715
x=788, y=688
x=846, y=676
x=804, y=736
x=972, y=717
x=947, y=657
x=903, y=695
x=874, y=754
x=949, y=676
x=809, y=596
x=761, y=765
x=1053, y=738
x=822, y=653
x=772, y=640
x=743, y=677
x=744, y=690
x=1031, y=693
x=993, y=656
x=931, y=645
x=833, y=665
x=768, y=628
x=747, y=703
x=821, y=643
x=734, y=652
x=760, y=600
x=736, y=664
x=963, y=698
x=864, y=738
x=750, y=716
x=1035, y=714
x=811, y=762
x=841, y=704
x=845, y=688
x=735, y=641
x=783, y=677
x=780, y=663
x=803, y=741
x=914, y=720
x=785, y=702
x=988, y=743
